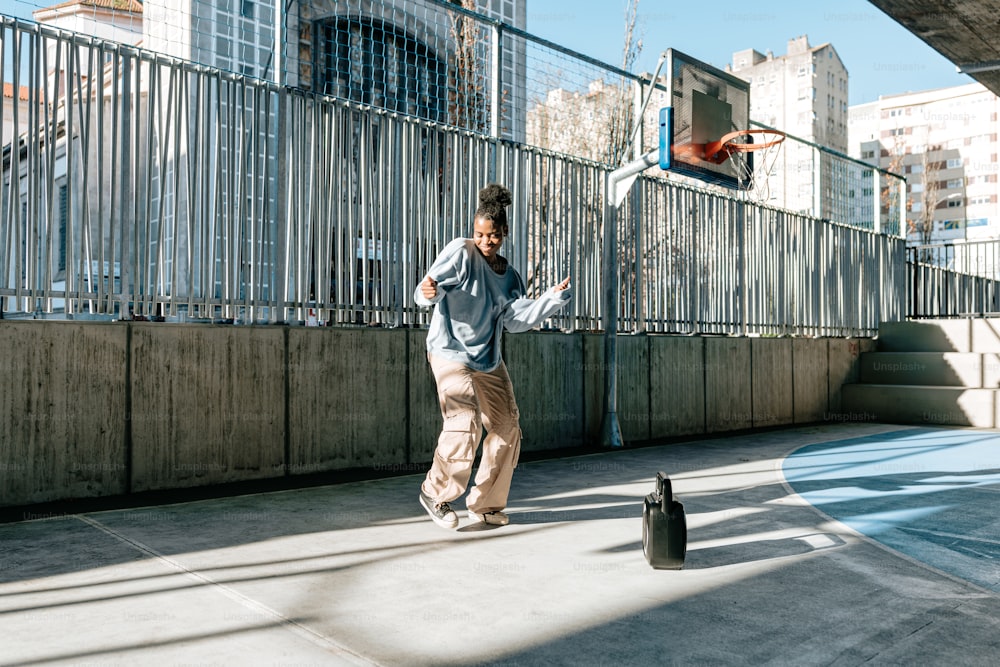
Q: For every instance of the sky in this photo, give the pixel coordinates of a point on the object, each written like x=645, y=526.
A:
x=882, y=57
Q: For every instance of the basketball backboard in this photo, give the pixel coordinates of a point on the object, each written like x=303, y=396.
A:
x=706, y=103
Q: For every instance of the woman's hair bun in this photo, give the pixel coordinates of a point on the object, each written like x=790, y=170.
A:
x=495, y=194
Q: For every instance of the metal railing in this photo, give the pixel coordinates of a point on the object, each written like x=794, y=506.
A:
x=148, y=186
x=954, y=279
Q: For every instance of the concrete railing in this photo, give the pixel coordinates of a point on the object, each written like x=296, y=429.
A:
x=101, y=409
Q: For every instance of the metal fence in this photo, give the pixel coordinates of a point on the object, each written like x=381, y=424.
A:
x=955, y=279
x=144, y=185
x=444, y=61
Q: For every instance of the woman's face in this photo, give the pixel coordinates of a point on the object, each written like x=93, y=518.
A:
x=488, y=236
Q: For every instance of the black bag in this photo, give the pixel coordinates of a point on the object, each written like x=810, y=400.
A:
x=664, y=528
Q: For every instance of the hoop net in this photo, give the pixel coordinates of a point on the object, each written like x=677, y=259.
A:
x=754, y=154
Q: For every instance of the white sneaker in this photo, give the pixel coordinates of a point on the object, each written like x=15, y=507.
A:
x=494, y=518
x=442, y=513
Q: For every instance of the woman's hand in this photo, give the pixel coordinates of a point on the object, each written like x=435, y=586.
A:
x=429, y=288
x=561, y=286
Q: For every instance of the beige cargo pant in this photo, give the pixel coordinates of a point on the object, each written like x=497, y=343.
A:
x=471, y=400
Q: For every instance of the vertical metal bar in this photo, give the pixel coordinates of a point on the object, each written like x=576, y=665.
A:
x=280, y=19
x=256, y=205
x=45, y=198
x=85, y=256
x=742, y=267
x=496, y=91
x=639, y=108
x=233, y=204
x=639, y=324
x=8, y=35
x=877, y=200
x=610, y=430
x=902, y=207
x=282, y=145
x=105, y=254
x=817, y=181
x=157, y=136
x=125, y=192
x=65, y=246
x=141, y=177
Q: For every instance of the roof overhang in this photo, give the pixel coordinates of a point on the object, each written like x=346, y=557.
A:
x=966, y=32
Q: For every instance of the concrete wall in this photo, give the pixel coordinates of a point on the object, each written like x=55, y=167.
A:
x=63, y=411
x=207, y=404
x=95, y=409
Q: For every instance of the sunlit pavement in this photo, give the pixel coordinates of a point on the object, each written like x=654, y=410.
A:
x=892, y=561
x=931, y=494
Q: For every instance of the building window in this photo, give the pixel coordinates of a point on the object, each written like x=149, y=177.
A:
x=246, y=8
x=380, y=64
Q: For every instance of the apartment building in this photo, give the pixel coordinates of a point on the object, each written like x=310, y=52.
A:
x=944, y=142
x=803, y=92
x=115, y=20
x=395, y=54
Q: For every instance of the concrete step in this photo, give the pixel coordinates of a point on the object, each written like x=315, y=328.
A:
x=908, y=404
x=949, y=369
x=956, y=335
x=925, y=336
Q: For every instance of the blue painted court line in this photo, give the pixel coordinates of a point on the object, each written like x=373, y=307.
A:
x=932, y=494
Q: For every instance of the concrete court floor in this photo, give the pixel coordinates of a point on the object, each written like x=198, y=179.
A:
x=356, y=574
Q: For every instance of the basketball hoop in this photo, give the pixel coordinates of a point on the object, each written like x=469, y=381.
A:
x=739, y=147
x=741, y=141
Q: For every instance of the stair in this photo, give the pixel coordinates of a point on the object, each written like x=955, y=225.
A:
x=930, y=372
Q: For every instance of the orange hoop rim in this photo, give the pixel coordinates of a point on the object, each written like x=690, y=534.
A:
x=728, y=141
x=719, y=151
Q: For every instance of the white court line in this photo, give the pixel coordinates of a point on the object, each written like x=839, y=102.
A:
x=290, y=624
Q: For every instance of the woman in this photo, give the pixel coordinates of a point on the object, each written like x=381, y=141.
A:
x=476, y=294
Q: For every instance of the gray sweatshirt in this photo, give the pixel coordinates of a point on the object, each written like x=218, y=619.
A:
x=474, y=304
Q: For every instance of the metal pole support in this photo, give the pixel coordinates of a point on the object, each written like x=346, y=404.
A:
x=616, y=187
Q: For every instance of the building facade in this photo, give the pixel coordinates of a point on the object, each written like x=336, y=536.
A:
x=116, y=20
x=418, y=57
x=944, y=142
x=803, y=92
x=591, y=124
